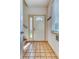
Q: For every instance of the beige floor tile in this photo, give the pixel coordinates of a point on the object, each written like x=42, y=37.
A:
x=43, y=54
x=33, y=50
x=26, y=58
x=32, y=54
x=38, y=54
x=42, y=50
x=54, y=57
x=48, y=54
x=43, y=57
x=38, y=50
x=52, y=54
x=50, y=50
x=38, y=47
x=42, y=47
x=31, y=57
x=45, y=47
x=47, y=50
x=37, y=58
x=29, y=50
x=49, y=57
x=27, y=54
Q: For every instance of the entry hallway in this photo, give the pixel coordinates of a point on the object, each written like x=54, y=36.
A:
x=39, y=50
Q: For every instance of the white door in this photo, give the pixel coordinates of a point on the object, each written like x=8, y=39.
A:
x=37, y=28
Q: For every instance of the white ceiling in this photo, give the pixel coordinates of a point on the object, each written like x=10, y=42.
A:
x=37, y=3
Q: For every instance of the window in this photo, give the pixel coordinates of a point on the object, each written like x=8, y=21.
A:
x=55, y=16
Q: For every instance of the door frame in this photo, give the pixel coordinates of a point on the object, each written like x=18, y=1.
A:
x=33, y=26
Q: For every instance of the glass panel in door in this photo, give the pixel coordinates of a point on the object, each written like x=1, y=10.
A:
x=31, y=28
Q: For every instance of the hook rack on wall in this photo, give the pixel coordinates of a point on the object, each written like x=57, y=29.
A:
x=49, y=18
x=25, y=26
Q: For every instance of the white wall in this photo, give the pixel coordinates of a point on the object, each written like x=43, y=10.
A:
x=37, y=11
x=21, y=28
x=21, y=15
x=52, y=37
x=25, y=20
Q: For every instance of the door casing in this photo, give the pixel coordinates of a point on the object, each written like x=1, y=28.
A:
x=33, y=26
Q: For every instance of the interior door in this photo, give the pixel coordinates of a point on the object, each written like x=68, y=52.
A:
x=39, y=28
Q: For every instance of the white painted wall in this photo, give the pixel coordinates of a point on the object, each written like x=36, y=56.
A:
x=21, y=15
x=52, y=37
x=21, y=28
x=25, y=20
x=37, y=11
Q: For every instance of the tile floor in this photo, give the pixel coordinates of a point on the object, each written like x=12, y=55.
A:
x=39, y=50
